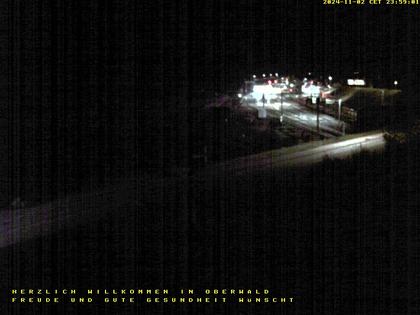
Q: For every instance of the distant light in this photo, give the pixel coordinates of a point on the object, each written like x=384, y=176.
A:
x=239, y=95
x=309, y=73
x=269, y=82
x=358, y=82
x=254, y=76
x=271, y=74
x=263, y=75
x=277, y=74
x=305, y=79
x=275, y=81
x=395, y=82
x=292, y=85
x=330, y=78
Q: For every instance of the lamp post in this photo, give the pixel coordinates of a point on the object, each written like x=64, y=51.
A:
x=317, y=114
x=262, y=114
x=339, y=109
x=382, y=97
x=281, y=106
x=339, y=117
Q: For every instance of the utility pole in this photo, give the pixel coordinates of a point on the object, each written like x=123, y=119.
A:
x=383, y=97
x=343, y=124
x=317, y=114
x=339, y=109
x=262, y=113
x=281, y=107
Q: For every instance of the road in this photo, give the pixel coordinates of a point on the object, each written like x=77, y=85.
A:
x=298, y=115
x=308, y=154
x=20, y=224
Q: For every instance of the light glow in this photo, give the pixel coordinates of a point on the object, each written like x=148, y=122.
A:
x=358, y=82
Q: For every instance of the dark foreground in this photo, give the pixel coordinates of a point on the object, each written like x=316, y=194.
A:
x=340, y=238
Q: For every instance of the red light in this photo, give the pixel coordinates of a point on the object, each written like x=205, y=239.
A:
x=269, y=82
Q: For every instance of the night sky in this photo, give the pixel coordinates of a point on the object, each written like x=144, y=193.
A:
x=91, y=82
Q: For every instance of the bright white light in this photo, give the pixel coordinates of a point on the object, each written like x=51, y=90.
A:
x=330, y=78
x=356, y=82
x=278, y=90
x=263, y=89
x=239, y=95
x=263, y=75
x=292, y=85
x=312, y=90
x=305, y=79
x=254, y=76
x=309, y=73
x=271, y=74
x=277, y=74
x=395, y=82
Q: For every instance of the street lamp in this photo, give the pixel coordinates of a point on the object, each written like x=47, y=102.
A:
x=339, y=117
x=281, y=107
x=263, y=75
x=254, y=76
x=339, y=109
x=395, y=82
x=330, y=78
x=316, y=99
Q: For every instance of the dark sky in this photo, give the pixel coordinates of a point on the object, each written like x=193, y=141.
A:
x=92, y=80
x=184, y=45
